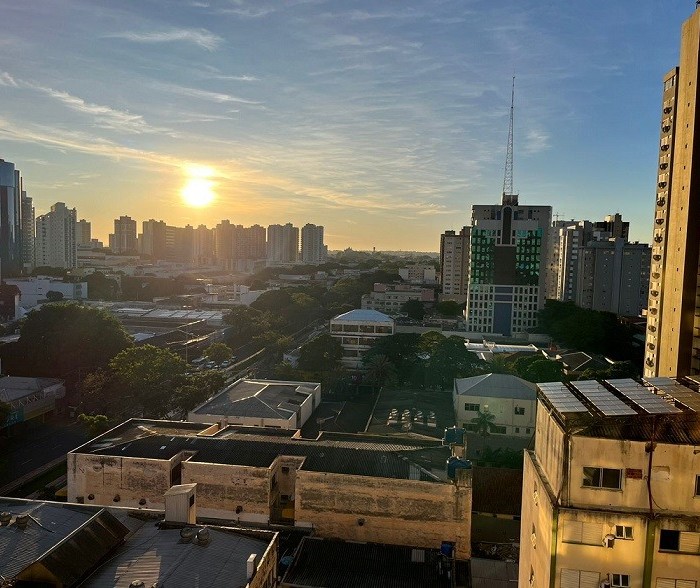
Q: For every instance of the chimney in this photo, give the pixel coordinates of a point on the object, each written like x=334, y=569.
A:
x=251, y=566
x=180, y=504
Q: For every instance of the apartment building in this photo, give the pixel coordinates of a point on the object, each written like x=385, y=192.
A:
x=611, y=489
x=390, y=298
x=454, y=264
x=358, y=330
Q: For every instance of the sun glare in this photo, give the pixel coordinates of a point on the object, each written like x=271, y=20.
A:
x=199, y=190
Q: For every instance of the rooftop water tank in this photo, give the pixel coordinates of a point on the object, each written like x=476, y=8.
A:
x=455, y=463
x=453, y=436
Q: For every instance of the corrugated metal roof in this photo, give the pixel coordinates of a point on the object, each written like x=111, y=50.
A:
x=496, y=386
x=322, y=563
x=160, y=556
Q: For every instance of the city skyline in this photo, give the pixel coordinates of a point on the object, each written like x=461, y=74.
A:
x=367, y=120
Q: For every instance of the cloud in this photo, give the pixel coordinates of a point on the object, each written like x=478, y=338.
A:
x=218, y=97
x=536, y=141
x=7, y=80
x=200, y=37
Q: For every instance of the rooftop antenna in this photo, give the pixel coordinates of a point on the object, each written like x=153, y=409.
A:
x=508, y=196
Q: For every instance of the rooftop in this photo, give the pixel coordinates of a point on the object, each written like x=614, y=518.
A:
x=258, y=398
x=496, y=386
x=363, y=316
x=322, y=563
x=380, y=456
x=15, y=387
x=664, y=409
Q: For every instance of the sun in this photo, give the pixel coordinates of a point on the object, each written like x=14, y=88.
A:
x=198, y=191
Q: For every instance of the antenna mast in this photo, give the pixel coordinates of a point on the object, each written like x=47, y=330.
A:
x=508, y=196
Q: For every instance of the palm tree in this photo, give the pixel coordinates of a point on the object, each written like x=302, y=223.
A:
x=484, y=422
x=380, y=370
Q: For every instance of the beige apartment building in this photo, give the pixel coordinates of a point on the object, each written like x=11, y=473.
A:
x=611, y=492
x=673, y=327
x=367, y=488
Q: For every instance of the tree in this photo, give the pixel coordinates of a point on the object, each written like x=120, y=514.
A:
x=218, y=352
x=54, y=296
x=449, y=308
x=5, y=411
x=401, y=349
x=149, y=377
x=94, y=424
x=195, y=389
x=450, y=359
x=321, y=354
x=539, y=369
x=100, y=287
x=379, y=371
x=241, y=321
x=60, y=338
x=414, y=309
x=483, y=422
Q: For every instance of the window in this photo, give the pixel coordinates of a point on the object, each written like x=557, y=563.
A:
x=580, y=578
x=498, y=429
x=623, y=532
x=602, y=478
x=673, y=583
x=471, y=407
x=680, y=541
x=697, y=485
x=520, y=410
x=620, y=580
x=285, y=469
x=583, y=533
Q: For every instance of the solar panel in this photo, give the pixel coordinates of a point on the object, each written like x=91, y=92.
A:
x=643, y=396
x=561, y=398
x=603, y=399
x=680, y=393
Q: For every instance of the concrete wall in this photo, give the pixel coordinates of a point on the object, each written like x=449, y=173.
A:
x=266, y=571
x=549, y=447
x=106, y=477
x=290, y=423
x=381, y=510
x=504, y=411
x=221, y=488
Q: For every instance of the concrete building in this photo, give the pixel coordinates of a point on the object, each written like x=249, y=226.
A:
x=29, y=398
x=507, y=262
x=33, y=290
x=511, y=400
x=58, y=545
x=56, y=244
x=83, y=233
x=454, y=264
x=203, y=246
x=123, y=240
x=282, y=244
x=613, y=276
x=152, y=241
x=358, y=330
x=11, y=187
x=389, y=298
x=28, y=233
x=261, y=403
x=313, y=249
x=351, y=487
x=610, y=490
x=418, y=274
x=673, y=327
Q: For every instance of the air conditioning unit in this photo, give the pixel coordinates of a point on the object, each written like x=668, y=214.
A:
x=536, y=497
x=609, y=541
x=533, y=540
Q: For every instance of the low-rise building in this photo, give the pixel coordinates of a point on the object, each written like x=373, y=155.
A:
x=364, y=488
x=416, y=273
x=29, y=398
x=390, y=298
x=358, y=331
x=611, y=489
x=35, y=289
x=511, y=401
x=261, y=403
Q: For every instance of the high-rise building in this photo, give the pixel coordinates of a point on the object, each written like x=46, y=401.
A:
x=203, y=245
x=56, y=244
x=152, y=239
x=613, y=276
x=123, y=240
x=282, y=244
x=312, y=248
x=10, y=219
x=454, y=264
x=28, y=236
x=84, y=233
x=508, y=249
x=673, y=325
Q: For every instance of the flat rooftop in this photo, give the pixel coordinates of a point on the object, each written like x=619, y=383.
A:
x=381, y=456
x=628, y=409
x=259, y=398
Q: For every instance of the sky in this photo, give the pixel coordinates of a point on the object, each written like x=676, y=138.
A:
x=384, y=121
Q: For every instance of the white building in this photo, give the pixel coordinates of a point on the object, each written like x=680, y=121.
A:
x=312, y=248
x=33, y=290
x=261, y=403
x=389, y=298
x=282, y=244
x=358, y=330
x=418, y=274
x=512, y=401
x=56, y=244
